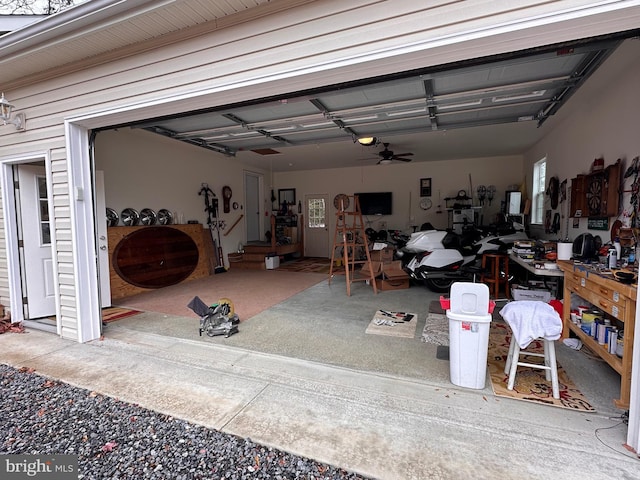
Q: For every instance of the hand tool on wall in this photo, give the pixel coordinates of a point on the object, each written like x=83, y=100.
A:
x=234, y=224
x=211, y=207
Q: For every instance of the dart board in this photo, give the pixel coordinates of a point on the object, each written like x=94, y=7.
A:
x=594, y=194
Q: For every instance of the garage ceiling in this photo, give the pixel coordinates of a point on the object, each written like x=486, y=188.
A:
x=518, y=93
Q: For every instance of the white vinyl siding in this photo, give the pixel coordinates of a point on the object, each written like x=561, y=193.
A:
x=63, y=239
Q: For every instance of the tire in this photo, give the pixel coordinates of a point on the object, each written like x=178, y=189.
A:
x=439, y=285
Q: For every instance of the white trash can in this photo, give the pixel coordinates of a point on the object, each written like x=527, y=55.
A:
x=469, y=324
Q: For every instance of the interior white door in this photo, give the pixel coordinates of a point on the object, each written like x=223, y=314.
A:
x=316, y=226
x=252, y=207
x=37, y=250
x=103, y=243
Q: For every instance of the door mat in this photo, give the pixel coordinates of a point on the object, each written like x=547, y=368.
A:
x=436, y=329
x=111, y=314
x=307, y=264
x=531, y=384
x=393, y=324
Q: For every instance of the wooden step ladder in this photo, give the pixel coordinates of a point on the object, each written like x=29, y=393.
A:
x=351, y=238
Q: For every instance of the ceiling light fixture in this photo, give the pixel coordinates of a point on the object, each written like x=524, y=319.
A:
x=5, y=114
x=367, y=141
x=407, y=112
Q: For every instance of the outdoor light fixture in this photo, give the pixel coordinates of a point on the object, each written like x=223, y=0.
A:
x=5, y=114
x=367, y=141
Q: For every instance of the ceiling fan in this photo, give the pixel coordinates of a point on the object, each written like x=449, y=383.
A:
x=387, y=156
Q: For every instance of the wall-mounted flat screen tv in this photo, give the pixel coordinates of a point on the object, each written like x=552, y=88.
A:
x=375, y=203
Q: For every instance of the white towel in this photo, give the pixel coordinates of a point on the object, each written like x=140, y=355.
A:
x=530, y=320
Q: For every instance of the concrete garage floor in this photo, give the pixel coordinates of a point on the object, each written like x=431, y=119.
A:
x=303, y=377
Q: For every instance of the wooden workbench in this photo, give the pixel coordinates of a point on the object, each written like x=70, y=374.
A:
x=613, y=297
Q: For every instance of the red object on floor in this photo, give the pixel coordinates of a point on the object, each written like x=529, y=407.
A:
x=445, y=303
x=557, y=306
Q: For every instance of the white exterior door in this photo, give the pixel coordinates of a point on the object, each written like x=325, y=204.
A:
x=36, y=237
x=316, y=226
x=103, y=244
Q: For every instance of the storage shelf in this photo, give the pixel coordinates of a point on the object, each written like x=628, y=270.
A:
x=601, y=350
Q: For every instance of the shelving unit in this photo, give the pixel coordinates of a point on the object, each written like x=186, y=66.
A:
x=463, y=218
x=616, y=299
x=350, y=238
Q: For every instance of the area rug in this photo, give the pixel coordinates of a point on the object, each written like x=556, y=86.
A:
x=251, y=291
x=112, y=314
x=307, y=264
x=436, y=329
x=392, y=324
x=531, y=384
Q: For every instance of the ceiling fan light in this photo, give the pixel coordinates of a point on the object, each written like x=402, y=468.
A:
x=385, y=161
x=367, y=141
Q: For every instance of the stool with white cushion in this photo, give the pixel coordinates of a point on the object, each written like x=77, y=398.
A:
x=529, y=321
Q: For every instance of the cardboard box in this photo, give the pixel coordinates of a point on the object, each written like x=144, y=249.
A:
x=376, y=267
x=393, y=277
x=385, y=255
x=529, y=294
x=393, y=271
x=392, y=284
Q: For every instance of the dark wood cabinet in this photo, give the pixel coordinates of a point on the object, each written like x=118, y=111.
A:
x=578, y=196
x=596, y=194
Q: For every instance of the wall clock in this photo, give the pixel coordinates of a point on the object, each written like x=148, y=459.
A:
x=425, y=203
x=226, y=197
x=341, y=201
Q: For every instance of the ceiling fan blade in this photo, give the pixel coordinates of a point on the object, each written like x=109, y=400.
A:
x=403, y=154
x=402, y=159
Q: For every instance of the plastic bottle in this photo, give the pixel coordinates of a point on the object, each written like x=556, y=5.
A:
x=613, y=258
x=616, y=245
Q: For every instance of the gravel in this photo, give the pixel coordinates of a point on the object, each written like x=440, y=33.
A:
x=119, y=440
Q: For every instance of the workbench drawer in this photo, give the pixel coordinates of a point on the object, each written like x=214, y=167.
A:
x=616, y=309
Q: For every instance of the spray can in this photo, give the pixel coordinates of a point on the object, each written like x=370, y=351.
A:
x=613, y=258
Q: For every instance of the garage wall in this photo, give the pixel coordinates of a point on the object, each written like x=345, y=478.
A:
x=448, y=178
x=594, y=123
x=145, y=170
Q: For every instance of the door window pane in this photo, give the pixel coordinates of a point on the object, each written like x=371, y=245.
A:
x=316, y=213
x=43, y=211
